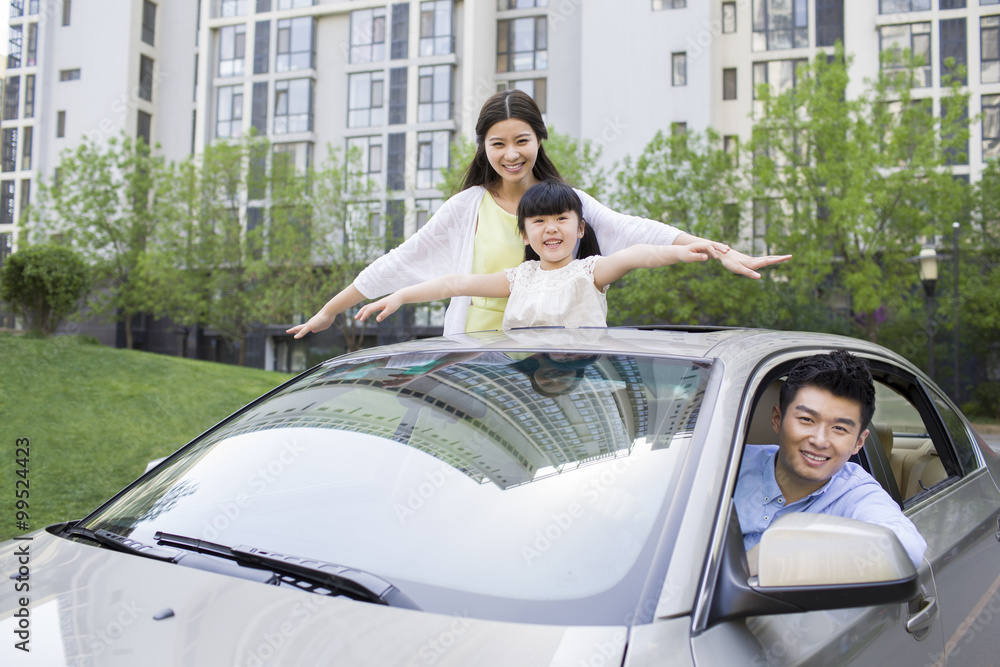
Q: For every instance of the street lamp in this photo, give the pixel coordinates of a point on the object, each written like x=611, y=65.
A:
x=928, y=278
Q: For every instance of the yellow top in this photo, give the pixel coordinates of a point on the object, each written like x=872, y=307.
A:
x=498, y=246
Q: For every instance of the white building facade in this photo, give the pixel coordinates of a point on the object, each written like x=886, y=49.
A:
x=401, y=80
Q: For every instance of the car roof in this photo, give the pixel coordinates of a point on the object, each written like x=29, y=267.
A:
x=734, y=346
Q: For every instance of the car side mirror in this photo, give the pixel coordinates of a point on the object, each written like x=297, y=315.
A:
x=812, y=562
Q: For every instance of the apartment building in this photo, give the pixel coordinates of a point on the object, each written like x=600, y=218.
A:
x=401, y=80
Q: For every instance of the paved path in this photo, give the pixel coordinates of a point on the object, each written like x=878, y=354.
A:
x=993, y=441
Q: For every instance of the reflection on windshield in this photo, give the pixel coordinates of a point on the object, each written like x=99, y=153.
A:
x=494, y=418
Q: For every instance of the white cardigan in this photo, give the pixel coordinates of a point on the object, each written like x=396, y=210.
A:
x=444, y=245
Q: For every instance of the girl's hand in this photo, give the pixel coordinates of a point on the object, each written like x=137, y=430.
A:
x=699, y=251
x=744, y=265
x=388, y=305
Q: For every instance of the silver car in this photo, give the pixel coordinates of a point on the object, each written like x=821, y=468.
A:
x=543, y=497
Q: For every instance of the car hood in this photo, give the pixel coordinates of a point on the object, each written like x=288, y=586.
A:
x=91, y=606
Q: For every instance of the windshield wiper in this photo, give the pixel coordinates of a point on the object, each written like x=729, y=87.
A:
x=336, y=579
x=124, y=544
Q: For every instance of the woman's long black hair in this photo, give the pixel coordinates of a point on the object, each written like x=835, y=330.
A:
x=503, y=106
x=553, y=198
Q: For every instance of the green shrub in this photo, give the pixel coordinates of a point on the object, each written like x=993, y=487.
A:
x=985, y=401
x=44, y=283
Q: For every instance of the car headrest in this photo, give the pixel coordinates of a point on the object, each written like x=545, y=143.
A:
x=884, y=433
x=760, y=431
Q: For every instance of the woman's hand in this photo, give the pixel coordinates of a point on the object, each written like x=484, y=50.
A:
x=745, y=265
x=317, y=322
x=387, y=304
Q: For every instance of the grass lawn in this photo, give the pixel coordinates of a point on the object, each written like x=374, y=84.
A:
x=95, y=416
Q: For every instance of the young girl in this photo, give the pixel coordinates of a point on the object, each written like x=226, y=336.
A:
x=473, y=231
x=550, y=288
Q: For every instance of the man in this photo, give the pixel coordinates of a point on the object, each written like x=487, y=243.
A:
x=821, y=420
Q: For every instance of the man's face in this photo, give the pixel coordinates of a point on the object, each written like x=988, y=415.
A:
x=816, y=437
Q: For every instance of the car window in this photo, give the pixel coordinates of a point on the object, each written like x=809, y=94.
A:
x=961, y=439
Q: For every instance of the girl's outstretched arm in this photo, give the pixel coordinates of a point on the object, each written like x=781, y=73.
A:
x=349, y=296
x=643, y=256
x=455, y=284
x=735, y=261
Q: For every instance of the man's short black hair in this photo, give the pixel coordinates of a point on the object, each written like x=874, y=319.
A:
x=840, y=373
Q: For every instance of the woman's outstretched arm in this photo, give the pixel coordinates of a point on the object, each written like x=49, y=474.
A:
x=455, y=284
x=347, y=297
x=735, y=261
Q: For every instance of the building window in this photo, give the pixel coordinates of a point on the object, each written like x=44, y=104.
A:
x=829, y=22
x=66, y=8
x=536, y=88
x=368, y=152
x=780, y=24
x=8, y=149
x=991, y=127
x=953, y=4
x=435, y=28
x=729, y=83
x=16, y=8
x=26, y=150
x=229, y=112
x=731, y=146
x=916, y=37
x=294, y=4
x=669, y=4
x=258, y=107
x=295, y=44
x=503, y=5
x=678, y=129
x=522, y=44
x=432, y=156
x=29, y=96
x=31, y=52
x=7, y=203
x=292, y=106
x=69, y=74
x=434, y=94
x=232, y=8
x=396, y=166
x=397, y=95
x=33, y=7
x=897, y=6
x=953, y=48
x=60, y=124
x=400, y=32
x=989, y=58
x=14, y=39
x=678, y=69
x=368, y=35
x=25, y=194
x=261, y=47
x=426, y=208
x=366, y=99
x=144, y=127
x=149, y=22
x=728, y=17
x=232, y=43
x=781, y=75
x=11, y=93
x=291, y=158
x=960, y=155
x=146, y=78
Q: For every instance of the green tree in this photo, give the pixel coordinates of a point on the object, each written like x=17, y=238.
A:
x=45, y=283
x=106, y=202
x=689, y=181
x=851, y=185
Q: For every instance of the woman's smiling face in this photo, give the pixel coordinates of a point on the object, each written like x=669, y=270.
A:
x=511, y=148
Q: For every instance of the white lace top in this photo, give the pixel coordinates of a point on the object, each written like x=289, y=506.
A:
x=445, y=244
x=561, y=297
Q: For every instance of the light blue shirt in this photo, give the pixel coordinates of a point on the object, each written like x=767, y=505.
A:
x=851, y=493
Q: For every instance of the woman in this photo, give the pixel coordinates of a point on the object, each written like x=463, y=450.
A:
x=475, y=231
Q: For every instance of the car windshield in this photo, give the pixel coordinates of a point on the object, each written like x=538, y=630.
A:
x=521, y=486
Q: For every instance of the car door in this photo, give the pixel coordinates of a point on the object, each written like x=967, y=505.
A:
x=958, y=515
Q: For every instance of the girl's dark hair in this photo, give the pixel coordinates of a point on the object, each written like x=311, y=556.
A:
x=553, y=198
x=503, y=106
